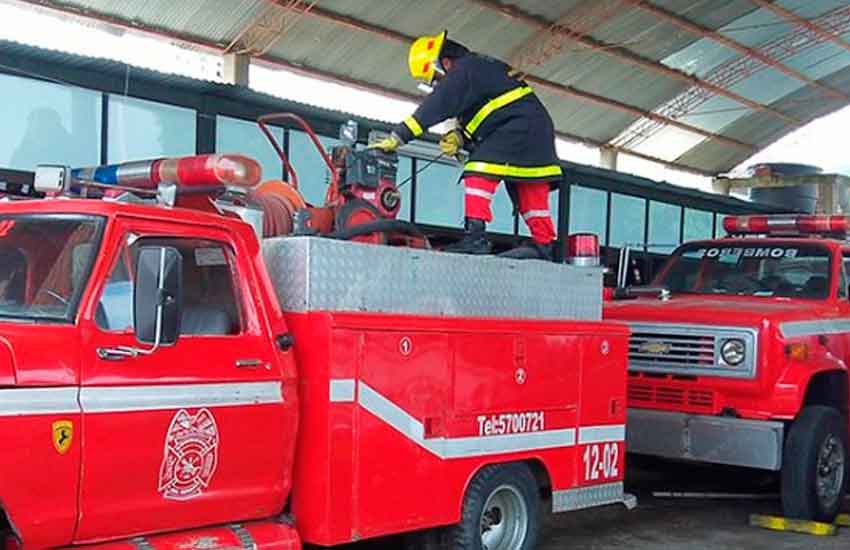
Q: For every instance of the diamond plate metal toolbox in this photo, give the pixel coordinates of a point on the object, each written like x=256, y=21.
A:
x=319, y=274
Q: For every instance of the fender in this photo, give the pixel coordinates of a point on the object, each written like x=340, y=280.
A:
x=534, y=461
x=792, y=386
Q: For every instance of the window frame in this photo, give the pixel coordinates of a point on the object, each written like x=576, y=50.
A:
x=233, y=270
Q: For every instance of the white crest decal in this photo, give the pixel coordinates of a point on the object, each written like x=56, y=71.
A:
x=191, y=455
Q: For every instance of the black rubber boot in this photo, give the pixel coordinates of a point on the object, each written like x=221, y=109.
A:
x=530, y=251
x=474, y=242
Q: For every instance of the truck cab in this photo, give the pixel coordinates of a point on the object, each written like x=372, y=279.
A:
x=84, y=401
x=739, y=355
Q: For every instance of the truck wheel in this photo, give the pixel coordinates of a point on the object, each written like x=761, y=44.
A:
x=815, y=466
x=501, y=511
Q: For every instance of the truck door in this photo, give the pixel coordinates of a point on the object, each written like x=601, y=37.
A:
x=193, y=433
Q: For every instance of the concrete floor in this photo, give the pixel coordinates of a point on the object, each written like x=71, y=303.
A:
x=675, y=524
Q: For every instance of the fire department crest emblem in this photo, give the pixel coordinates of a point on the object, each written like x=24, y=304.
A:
x=191, y=455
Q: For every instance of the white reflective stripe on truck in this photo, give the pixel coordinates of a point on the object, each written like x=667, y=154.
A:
x=173, y=396
x=32, y=401
x=66, y=400
x=348, y=390
x=794, y=329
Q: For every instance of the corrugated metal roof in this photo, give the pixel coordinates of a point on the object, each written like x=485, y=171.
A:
x=636, y=57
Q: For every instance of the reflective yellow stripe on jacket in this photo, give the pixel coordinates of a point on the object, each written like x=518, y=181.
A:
x=414, y=126
x=509, y=171
x=497, y=103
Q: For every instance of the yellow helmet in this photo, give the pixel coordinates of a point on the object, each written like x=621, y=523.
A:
x=424, y=57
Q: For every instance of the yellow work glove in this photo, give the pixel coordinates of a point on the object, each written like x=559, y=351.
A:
x=388, y=144
x=451, y=142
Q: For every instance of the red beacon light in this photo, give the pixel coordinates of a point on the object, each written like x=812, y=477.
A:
x=583, y=250
x=803, y=224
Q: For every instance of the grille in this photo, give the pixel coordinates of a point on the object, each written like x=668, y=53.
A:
x=689, y=350
x=672, y=349
x=688, y=399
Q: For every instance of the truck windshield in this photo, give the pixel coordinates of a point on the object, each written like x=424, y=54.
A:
x=45, y=261
x=792, y=270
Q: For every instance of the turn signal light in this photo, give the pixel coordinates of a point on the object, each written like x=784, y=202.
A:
x=797, y=351
x=583, y=249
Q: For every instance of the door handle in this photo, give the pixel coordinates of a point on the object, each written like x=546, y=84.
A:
x=248, y=363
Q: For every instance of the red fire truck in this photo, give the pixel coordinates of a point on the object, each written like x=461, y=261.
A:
x=739, y=355
x=172, y=381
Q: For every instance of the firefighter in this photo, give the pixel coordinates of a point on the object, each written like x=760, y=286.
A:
x=505, y=126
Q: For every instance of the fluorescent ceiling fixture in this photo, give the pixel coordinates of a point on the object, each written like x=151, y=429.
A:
x=46, y=29
x=577, y=152
x=329, y=95
x=659, y=172
x=669, y=143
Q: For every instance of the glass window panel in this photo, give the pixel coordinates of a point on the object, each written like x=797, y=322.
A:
x=46, y=123
x=553, y=210
x=628, y=220
x=698, y=224
x=140, y=129
x=439, y=198
x=404, y=167
x=588, y=211
x=233, y=135
x=313, y=174
x=665, y=221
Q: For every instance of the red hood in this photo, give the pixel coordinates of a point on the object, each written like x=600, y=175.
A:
x=712, y=310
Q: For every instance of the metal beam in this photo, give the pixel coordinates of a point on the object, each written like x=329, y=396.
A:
x=576, y=23
x=699, y=30
x=803, y=22
x=608, y=103
x=627, y=56
x=561, y=89
x=306, y=70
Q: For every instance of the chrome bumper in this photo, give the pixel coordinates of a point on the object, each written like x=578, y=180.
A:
x=713, y=439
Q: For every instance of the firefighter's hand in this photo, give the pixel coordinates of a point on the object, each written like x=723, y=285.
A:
x=451, y=142
x=388, y=144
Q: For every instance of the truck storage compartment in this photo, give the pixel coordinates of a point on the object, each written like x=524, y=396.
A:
x=316, y=274
x=417, y=368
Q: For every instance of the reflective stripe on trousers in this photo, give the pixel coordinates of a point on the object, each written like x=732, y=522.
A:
x=533, y=204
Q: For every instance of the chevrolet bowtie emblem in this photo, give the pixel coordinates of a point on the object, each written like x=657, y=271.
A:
x=654, y=347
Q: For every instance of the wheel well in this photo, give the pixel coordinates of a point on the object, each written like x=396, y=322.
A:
x=830, y=389
x=541, y=474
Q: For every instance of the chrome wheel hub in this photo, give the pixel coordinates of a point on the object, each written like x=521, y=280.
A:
x=830, y=471
x=504, y=520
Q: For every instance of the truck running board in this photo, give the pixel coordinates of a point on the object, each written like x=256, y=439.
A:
x=259, y=535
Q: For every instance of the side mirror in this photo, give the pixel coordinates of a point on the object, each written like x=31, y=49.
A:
x=158, y=295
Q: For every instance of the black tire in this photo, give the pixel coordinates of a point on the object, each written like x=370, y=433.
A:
x=504, y=483
x=816, y=449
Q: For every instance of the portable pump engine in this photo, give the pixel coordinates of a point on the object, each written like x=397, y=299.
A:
x=361, y=202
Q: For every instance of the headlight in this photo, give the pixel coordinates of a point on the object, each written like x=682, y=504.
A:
x=733, y=352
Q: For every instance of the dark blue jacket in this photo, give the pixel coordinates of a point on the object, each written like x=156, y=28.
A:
x=514, y=142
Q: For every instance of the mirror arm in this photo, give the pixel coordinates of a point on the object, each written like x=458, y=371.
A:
x=119, y=353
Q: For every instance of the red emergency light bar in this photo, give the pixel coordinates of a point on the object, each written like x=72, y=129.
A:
x=803, y=224
x=201, y=171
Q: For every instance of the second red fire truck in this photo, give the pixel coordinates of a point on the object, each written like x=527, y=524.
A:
x=739, y=355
